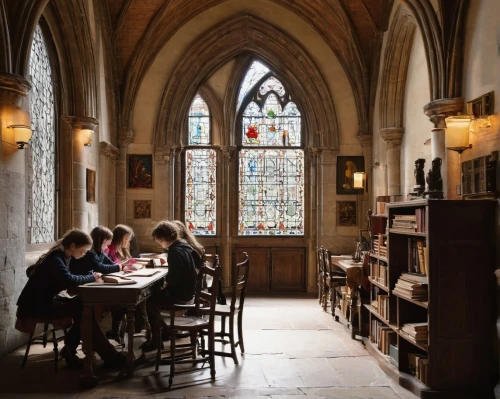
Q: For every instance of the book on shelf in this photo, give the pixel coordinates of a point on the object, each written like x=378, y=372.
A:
x=418, y=331
x=417, y=366
x=414, y=278
x=416, y=256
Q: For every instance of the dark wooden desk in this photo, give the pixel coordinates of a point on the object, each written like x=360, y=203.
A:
x=126, y=295
x=354, y=274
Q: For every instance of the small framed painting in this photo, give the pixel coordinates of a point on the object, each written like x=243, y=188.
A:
x=346, y=167
x=140, y=171
x=142, y=209
x=346, y=213
x=90, y=185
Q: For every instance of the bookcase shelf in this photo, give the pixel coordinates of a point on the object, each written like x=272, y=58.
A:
x=454, y=247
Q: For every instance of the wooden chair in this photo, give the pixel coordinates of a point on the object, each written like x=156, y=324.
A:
x=323, y=278
x=195, y=325
x=240, y=278
x=28, y=325
x=334, y=280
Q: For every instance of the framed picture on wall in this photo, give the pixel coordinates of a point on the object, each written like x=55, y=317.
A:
x=346, y=213
x=90, y=185
x=346, y=167
x=140, y=171
x=142, y=209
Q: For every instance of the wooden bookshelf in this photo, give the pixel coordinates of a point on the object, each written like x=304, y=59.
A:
x=455, y=360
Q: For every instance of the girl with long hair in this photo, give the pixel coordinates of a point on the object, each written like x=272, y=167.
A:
x=181, y=277
x=40, y=299
x=189, y=237
x=119, y=249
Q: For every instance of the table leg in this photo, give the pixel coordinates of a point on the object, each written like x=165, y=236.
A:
x=88, y=379
x=354, y=311
x=146, y=320
x=130, y=331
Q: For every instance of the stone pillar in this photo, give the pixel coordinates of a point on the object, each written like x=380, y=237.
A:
x=437, y=111
x=80, y=127
x=227, y=194
x=366, y=141
x=107, y=195
x=121, y=176
x=13, y=111
x=393, y=137
x=326, y=217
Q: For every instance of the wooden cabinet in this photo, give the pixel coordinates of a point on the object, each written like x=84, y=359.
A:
x=275, y=269
x=457, y=356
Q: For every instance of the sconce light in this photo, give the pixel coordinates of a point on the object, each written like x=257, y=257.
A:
x=87, y=134
x=359, y=180
x=22, y=134
x=457, y=133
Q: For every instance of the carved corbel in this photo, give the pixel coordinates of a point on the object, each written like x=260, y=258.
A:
x=14, y=84
x=366, y=140
x=81, y=122
x=438, y=110
x=124, y=138
x=393, y=136
x=108, y=150
x=228, y=152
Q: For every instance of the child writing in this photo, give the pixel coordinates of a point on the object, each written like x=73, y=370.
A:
x=51, y=275
x=181, y=277
x=96, y=259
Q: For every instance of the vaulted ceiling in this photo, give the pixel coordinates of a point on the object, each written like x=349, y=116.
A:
x=352, y=28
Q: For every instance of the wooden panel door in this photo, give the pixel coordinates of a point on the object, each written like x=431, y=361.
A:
x=288, y=270
x=258, y=277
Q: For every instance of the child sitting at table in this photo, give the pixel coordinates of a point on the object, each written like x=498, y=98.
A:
x=181, y=277
x=96, y=259
x=119, y=252
x=189, y=237
x=40, y=297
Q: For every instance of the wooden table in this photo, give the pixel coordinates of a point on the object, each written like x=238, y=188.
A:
x=354, y=274
x=126, y=295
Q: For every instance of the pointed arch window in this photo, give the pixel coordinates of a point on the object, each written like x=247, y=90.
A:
x=42, y=165
x=271, y=158
x=200, y=180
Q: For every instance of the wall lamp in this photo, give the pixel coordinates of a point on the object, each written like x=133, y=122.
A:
x=457, y=133
x=359, y=180
x=87, y=134
x=22, y=134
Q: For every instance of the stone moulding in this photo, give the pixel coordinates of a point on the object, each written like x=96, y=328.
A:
x=108, y=150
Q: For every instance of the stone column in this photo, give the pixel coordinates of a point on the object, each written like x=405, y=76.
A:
x=393, y=137
x=107, y=195
x=226, y=195
x=437, y=111
x=13, y=111
x=80, y=127
x=161, y=182
x=121, y=176
x=366, y=141
x=327, y=191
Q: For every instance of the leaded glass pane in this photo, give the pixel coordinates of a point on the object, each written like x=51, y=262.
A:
x=200, y=214
x=199, y=122
x=255, y=73
x=42, y=174
x=272, y=84
x=271, y=125
x=271, y=185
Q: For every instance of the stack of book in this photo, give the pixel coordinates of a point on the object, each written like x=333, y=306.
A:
x=383, y=336
x=418, y=331
x=411, y=289
x=404, y=223
x=418, y=365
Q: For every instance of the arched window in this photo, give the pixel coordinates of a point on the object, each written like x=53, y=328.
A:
x=200, y=181
x=42, y=176
x=271, y=158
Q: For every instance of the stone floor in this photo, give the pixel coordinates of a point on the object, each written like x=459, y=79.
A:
x=292, y=348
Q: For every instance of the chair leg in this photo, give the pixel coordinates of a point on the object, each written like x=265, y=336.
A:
x=223, y=326
x=211, y=350
x=44, y=335
x=122, y=330
x=159, y=331
x=173, y=334
x=231, y=339
x=56, y=350
x=240, y=331
x=27, y=351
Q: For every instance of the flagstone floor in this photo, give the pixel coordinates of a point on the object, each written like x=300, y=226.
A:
x=293, y=349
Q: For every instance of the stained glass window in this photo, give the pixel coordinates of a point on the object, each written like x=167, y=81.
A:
x=42, y=205
x=255, y=73
x=201, y=189
x=199, y=122
x=271, y=180
x=271, y=192
x=200, y=183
